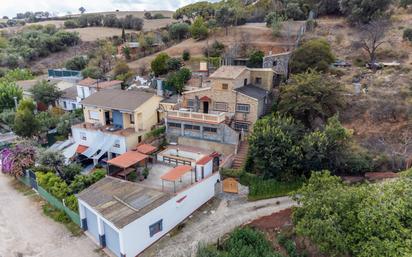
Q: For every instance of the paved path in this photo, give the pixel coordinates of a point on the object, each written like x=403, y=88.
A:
x=26, y=232
x=213, y=222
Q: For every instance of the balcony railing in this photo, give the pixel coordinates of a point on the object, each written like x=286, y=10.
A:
x=197, y=116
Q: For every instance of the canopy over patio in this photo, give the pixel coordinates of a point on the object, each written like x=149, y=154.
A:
x=127, y=159
x=176, y=174
x=146, y=149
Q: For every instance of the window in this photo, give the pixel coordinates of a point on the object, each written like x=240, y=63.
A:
x=83, y=135
x=258, y=81
x=192, y=127
x=94, y=115
x=245, y=82
x=210, y=130
x=225, y=86
x=190, y=103
x=239, y=126
x=117, y=143
x=243, y=108
x=221, y=106
x=156, y=228
x=64, y=105
x=131, y=118
x=275, y=63
x=174, y=125
x=74, y=106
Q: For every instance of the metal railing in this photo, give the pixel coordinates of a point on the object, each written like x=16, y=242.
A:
x=197, y=116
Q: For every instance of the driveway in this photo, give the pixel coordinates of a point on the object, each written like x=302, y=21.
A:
x=213, y=221
x=26, y=232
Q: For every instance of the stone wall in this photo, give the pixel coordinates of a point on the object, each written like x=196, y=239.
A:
x=278, y=62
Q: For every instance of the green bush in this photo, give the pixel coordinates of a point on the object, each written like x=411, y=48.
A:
x=53, y=184
x=407, y=34
x=186, y=55
x=231, y=173
x=263, y=189
x=156, y=132
x=71, y=203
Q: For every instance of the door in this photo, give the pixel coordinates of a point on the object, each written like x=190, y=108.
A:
x=107, y=117
x=117, y=118
x=205, y=107
x=112, y=239
x=92, y=224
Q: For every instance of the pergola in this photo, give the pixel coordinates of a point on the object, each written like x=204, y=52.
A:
x=175, y=174
x=126, y=161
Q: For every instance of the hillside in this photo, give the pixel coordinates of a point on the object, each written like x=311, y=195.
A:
x=381, y=119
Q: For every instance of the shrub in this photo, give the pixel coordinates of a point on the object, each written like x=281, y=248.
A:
x=198, y=29
x=53, y=184
x=71, y=24
x=231, y=173
x=179, y=31
x=407, y=34
x=186, y=55
x=159, y=64
x=72, y=203
x=76, y=63
x=263, y=189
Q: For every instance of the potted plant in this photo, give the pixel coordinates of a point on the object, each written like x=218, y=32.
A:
x=145, y=172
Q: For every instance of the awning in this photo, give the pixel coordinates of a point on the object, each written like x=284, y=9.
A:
x=146, y=149
x=176, y=173
x=127, y=159
x=204, y=98
x=81, y=148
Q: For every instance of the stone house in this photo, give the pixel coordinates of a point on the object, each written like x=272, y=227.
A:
x=242, y=94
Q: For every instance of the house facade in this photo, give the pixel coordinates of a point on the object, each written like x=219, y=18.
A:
x=115, y=121
x=237, y=94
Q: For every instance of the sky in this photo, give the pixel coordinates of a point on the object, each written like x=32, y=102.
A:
x=62, y=7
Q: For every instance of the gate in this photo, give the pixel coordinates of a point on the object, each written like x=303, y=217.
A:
x=230, y=185
x=32, y=179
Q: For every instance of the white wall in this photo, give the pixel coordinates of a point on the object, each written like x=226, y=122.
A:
x=92, y=136
x=69, y=104
x=87, y=91
x=136, y=236
x=207, y=169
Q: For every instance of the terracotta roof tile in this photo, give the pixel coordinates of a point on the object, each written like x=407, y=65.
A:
x=176, y=173
x=127, y=159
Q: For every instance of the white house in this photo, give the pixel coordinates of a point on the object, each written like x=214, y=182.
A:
x=68, y=100
x=127, y=217
x=89, y=86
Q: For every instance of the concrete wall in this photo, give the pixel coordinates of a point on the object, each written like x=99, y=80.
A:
x=226, y=149
x=253, y=114
x=146, y=114
x=207, y=170
x=89, y=119
x=135, y=237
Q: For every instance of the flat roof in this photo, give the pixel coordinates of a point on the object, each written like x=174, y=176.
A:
x=122, y=202
x=228, y=72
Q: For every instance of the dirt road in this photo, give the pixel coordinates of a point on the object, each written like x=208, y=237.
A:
x=26, y=232
x=212, y=222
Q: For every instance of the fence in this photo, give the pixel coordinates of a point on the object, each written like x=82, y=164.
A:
x=30, y=180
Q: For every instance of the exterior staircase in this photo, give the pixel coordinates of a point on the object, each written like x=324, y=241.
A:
x=241, y=155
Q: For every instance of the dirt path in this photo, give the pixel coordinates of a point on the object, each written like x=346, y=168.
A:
x=26, y=232
x=212, y=222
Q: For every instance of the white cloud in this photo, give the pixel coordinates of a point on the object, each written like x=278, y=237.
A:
x=11, y=7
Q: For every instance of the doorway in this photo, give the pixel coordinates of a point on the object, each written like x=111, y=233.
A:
x=205, y=107
x=107, y=117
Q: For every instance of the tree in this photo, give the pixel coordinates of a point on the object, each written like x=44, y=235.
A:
x=92, y=72
x=126, y=52
x=198, y=29
x=274, y=147
x=277, y=25
x=372, y=36
x=215, y=50
x=364, y=220
x=311, y=96
x=45, y=93
x=69, y=172
x=315, y=54
x=82, y=10
x=179, y=31
x=52, y=160
x=364, y=11
x=178, y=79
x=174, y=64
x=120, y=68
x=8, y=92
x=225, y=17
x=159, y=64
x=148, y=15
x=76, y=63
x=25, y=122
x=256, y=59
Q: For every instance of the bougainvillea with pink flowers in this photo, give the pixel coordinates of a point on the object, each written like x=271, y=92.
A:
x=17, y=159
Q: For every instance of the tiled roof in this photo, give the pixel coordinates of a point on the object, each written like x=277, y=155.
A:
x=252, y=91
x=118, y=99
x=87, y=82
x=176, y=173
x=127, y=159
x=70, y=93
x=228, y=72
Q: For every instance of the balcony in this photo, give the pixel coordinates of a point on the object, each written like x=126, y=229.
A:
x=109, y=129
x=197, y=116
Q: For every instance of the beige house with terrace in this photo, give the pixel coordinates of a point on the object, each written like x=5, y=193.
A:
x=242, y=94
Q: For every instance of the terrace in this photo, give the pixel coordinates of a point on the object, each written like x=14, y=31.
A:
x=109, y=129
x=197, y=116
